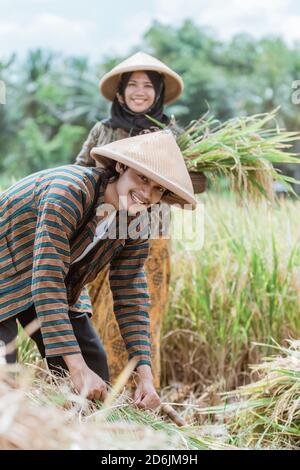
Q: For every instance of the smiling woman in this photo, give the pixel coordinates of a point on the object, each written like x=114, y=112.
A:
x=50, y=248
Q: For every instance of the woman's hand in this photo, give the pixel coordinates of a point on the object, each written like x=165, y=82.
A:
x=84, y=379
x=145, y=396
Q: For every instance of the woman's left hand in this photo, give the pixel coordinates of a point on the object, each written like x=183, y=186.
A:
x=145, y=396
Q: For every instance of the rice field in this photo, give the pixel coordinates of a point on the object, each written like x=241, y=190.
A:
x=243, y=286
x=231, y=303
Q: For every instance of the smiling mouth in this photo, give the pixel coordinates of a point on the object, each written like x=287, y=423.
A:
x=136, y=199
x=139, y=100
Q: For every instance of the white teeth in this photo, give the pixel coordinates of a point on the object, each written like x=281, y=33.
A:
x=136, y=199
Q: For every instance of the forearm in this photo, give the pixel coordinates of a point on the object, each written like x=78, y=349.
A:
x=134, y=326
x=51, y=260
x=144, y=373
x=74, y=362
x=132, y=301
x=84, y=158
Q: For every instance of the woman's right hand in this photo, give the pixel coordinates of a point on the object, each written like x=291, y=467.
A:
x=84, y=379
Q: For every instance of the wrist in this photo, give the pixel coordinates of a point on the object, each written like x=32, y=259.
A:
x=74, y=362
x=145, y=373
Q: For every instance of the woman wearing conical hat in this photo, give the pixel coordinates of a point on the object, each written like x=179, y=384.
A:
x=139, y=86
x=60, y=228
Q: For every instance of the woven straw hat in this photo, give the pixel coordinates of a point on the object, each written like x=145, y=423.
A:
x=140, y=61
x=157, y=156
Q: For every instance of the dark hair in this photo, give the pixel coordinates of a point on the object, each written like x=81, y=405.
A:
x=109, y=173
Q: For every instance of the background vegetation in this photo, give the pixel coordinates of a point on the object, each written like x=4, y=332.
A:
x=52, y=101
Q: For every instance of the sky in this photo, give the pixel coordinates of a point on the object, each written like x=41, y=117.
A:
x=96, y=28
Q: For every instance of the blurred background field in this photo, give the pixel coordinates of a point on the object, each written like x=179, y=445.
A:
x=241, y=287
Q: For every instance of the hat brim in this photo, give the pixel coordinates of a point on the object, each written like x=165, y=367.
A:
x=173, y=82
x=178, y=196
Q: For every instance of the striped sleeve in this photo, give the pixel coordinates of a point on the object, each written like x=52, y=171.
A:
x=83, y=304
x=131, y=299
x=84, y=158
x=60, y=210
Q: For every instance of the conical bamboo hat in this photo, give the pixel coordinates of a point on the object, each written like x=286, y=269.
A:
x=157, y=156
x=141, y=61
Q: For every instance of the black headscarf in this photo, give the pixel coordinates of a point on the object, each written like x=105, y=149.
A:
x=137, y=123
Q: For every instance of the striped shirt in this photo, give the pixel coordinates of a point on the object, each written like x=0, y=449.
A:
x=101, y=231
x=47, y=220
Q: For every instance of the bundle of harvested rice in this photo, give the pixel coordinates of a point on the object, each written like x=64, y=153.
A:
x=244, y=149
x=266, y=413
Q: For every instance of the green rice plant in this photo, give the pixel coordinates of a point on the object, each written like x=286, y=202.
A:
x=27, y=350
x=243, y=149
x=242, y=286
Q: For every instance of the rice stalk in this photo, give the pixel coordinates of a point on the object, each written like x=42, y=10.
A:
x=44, y=413
x=244, y=150
x=242, y=287
x=266, y=412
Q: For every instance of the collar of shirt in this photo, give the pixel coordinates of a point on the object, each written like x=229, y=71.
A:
x=101, y=229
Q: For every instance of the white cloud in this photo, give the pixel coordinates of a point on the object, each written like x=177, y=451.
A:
x=78, y=32
x=84, y=37
x=126, y=35
x=48, y=31
x=256, y=17
x=289, y=28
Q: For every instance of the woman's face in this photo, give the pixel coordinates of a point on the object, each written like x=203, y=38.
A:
x=139, y=93
x=133, y=191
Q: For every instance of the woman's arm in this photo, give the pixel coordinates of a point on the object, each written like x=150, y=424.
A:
x=131, y=299
x=131, y=306
x=84, y=158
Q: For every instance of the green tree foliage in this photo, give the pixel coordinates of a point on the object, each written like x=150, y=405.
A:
x=52, y=101
x=241, y=76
